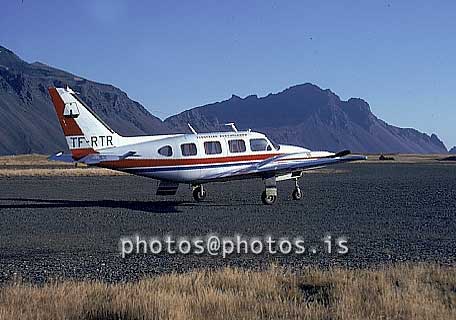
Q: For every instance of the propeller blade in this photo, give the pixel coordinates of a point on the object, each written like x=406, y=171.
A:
x=342, y=154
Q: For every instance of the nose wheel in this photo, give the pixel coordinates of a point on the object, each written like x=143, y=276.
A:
x=199, y=194
x=297, y=193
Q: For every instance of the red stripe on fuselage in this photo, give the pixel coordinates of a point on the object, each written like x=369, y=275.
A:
x=135, y=163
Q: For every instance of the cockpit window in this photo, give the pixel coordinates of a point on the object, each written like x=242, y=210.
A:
x=259, y=145
x=275, y=144
x=166, y=151
x=188, y=149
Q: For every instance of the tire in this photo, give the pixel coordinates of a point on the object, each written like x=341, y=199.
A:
x=199, y=194
x=268, y=200
x=297, y=194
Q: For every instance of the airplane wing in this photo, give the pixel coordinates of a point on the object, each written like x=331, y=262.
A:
x=289, y=163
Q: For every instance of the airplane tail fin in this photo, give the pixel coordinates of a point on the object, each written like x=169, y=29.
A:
x=85, y=132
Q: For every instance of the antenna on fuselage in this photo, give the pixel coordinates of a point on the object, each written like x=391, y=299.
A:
x=231, y=124
x=191, y=128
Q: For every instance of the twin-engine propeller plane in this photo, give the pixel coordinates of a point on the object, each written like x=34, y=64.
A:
x=193, y=159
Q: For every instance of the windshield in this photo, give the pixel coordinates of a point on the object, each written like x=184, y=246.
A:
x=274, y=144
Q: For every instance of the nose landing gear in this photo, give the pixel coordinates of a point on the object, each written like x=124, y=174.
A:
x=199, y=194
x=296, y=194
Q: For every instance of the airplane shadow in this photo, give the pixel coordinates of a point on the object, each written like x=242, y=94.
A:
x=145, y=206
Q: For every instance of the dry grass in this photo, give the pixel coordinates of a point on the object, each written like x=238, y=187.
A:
x=27, y=159
x=38, y=165
x=56, y=172
x=401, y=292
x=408, y=158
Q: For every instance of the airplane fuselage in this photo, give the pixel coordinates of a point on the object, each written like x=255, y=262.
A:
x=198, y=157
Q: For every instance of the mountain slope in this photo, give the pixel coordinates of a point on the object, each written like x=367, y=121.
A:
x=28, y=123
x=453, y=150
x=309, y=116
x=303, y=115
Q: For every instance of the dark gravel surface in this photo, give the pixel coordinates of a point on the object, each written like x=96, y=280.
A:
x=69, y=227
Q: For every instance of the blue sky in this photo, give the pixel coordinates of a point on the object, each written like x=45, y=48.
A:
x=400, y=56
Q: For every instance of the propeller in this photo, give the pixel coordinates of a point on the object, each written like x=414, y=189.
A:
x=341, y=154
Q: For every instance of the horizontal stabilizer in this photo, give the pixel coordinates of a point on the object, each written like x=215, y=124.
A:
x=64, y=157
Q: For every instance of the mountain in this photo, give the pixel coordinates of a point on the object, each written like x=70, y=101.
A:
x=28, y=123
x=303, y=115
x=309, y=116
x=453, y=150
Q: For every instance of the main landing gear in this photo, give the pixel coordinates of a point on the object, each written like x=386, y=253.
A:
x=199, y=194
x=269, y=195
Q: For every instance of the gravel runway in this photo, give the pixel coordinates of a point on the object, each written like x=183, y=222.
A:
x=69, y=227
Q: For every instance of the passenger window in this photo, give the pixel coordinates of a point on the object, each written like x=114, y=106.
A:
x=212, y=147
x=236, y=146
x=166, y=151
x=188, y=149
x=259, y=145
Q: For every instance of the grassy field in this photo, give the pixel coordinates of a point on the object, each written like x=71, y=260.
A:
x=38, y=165
x=400, y=292
x=56, y=172
x=408, y=158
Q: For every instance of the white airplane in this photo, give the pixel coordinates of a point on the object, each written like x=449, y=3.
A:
x=193, y=159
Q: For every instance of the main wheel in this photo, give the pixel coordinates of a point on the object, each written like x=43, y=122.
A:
x=297, y=194
x=268, y=199
x=199, y=194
